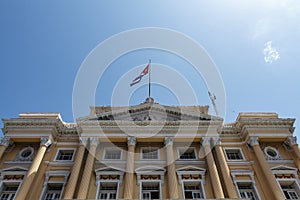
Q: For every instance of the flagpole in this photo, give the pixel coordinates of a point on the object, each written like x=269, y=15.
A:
x=149, y=83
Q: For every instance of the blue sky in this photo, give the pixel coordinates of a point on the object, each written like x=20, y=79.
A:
x=43, y=44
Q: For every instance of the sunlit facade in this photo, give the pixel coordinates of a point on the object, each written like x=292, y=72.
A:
x=149, y=151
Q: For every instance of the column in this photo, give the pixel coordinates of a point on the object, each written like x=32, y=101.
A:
x=129, y=178
x=292, y=142
x=269, y=177
x=172, y=177
x=4, y=142
x=88, y=169
x=72, y=182
x=29, y=178
x=212, y=169
x=230, y=188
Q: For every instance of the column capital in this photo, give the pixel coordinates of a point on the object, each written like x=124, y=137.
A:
x=215, y=141
x=291, y=141
x=46, y=141
x=94, y=141
x=206, y=141
x=4, y=141
x=131, y=141
x=252, y=141
x=83, y=141
x=168, y=141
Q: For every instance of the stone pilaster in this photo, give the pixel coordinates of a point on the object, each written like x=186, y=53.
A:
x=88, y=169
x=230, y=188
x=128, y=187
x=212, y=169
x=4, y=142
x=172, y=177
x=29, y=178
x=72, y=182
x=292, y=142
x=269, y=177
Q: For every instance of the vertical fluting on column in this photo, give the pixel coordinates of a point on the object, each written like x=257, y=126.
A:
x=225, y=172
x=72, y=182
x=4, y=142
x=212, y=169
x=270, y=178
x=128, y=187
x=172, y=177
x=29, y=178
x=88, y=169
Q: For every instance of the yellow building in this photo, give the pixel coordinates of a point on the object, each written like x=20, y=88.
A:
x=149, y=151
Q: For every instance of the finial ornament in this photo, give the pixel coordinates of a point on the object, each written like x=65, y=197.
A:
x=46, y=141
x=131, y=141
x=168, y=141
x=253, y=141
x=5, y=141
x=291, y=141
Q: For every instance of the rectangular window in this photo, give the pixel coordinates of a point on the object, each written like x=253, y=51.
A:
x=193, y=190
x=112, y=154
x=53, y=191
x=246, y=190
x=8, y=191
x=65, y=154
x=149, y=153
x=234, y=154
x=108, y=190
x=187, y=154
x=289, y=191
x=150, y=190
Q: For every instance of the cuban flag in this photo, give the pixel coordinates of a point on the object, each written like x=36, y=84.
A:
x=140, y=76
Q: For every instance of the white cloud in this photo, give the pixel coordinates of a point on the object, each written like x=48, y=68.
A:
x=271, y=54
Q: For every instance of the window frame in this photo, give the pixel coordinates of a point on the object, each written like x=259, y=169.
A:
x=156, y=149
x=107, y=181
x=289, y=181
x=150, y=181
x=65, y=149
x=112, y=148
x=195, y=181
x=185, y=149
x=234, y=148
x=58, y=173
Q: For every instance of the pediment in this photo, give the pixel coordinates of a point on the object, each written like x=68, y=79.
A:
x=150, y=111
x=190, y=169
x=283, y=167
x=14, y=169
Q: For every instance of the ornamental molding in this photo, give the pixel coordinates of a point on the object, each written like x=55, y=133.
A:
x=168, y=141
x=5, y=141
x=291, y=141
x=46, y=141
x=131, y=141
x=252, y=141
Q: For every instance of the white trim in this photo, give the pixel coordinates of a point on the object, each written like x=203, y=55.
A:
x=250, y=173
x=67, y=143
x=270, y=157
x=112, y=148
x=201, y=184
x=147, y=181
x=150, y=170
x=65, y=149
x=186, y=148
x=108, y=171
x=234, y=148
x=156, y=149
x=58, y=173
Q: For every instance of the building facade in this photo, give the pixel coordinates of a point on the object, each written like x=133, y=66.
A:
x=149, y=151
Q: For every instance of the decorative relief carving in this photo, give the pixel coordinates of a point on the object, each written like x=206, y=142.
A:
x=46, y=141
x=83, y=141
x=26, y=154
x=168, y=141
x=131, y=141
x=94, y=141
x=253, y=141
x=291, y=141
x=5, y=141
